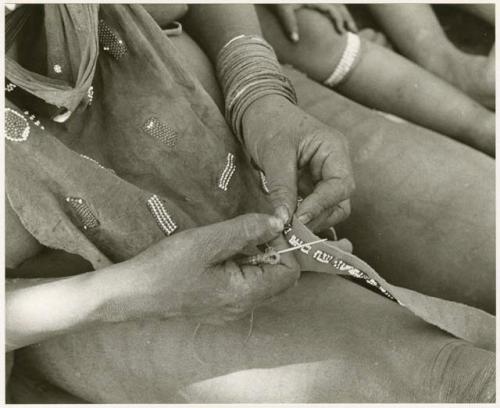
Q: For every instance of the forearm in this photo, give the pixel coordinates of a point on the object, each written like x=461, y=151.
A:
x=213, y=25
x=37, y=309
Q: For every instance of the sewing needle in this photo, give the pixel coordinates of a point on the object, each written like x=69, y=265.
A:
x=301, y=246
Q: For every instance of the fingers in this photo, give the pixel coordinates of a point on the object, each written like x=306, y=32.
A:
x=221, y=241
x=327, y=194
x=281, y=175
x=349, y=21
x=265, y=281
x=288, y=19
x=337, y=18
x=330, y=217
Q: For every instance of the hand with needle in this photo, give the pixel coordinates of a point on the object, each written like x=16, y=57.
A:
x=272, y=257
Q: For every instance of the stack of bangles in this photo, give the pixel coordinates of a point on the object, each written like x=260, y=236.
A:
x=247, y=69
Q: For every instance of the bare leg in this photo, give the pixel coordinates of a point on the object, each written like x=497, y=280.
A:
x=326, y=340
x=424, y=207
x=384, y=80
x=416, y=32
x=483, y=11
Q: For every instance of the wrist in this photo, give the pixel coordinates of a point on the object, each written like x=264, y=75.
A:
x=112, y=291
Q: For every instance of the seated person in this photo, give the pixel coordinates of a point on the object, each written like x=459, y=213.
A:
x=372, y=74
x=128, y=197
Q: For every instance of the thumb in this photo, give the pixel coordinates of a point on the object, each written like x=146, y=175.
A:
x=226, y=239
x=287, y=18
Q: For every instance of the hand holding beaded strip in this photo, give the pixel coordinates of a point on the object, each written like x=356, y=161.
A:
x=227, y=173
x=347, y=61
x=161, y=216
x=84, y=213
x=17, y=128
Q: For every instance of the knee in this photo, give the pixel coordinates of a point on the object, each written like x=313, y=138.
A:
x=463, y=373
x=320, y=46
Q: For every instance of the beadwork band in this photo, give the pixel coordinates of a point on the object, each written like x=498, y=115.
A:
x=247, y=69
x=347, y=61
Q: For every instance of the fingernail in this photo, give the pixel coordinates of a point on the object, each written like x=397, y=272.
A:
x=295, y=37
x=276, y=224
x=282, y=213
x=305, y=218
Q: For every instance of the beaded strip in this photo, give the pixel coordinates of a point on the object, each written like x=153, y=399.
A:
x=337, y=263
x=161, y=216
x=227, y=173
x=161, y=131
x=110, y=41
x=17, y=128
x=84, y=213
x=347, y=61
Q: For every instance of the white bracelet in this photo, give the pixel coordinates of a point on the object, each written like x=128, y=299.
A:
x=347, y=61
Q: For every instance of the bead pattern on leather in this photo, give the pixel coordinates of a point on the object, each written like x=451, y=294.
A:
x=161, y=131
x=57, y=69
x=87, y=219
x=161, y=216
x=111, y=41
x=33, y=118
x=227, y=173
x=90, y=95
x=263, y=182
x=10, y=87
x=337, y=263
x=17, y=128
x=97, y=163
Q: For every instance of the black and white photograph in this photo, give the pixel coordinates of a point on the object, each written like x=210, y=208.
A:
x=238, y=203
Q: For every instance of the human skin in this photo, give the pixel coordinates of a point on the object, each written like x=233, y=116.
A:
x=315, y=342
x=417, y=33
x=383, y=80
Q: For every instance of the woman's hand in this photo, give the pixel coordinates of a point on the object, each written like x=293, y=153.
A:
x=194, y=274
x=338, y=14
x=283, y=140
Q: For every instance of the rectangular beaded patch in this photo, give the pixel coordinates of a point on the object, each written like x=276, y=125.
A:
x=83, y=212
x=17, y=128
x=227, y=173
x=161, y=131
x=110, y=41
x=161, y=216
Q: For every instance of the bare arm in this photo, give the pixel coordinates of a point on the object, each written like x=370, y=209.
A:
x=213, y=25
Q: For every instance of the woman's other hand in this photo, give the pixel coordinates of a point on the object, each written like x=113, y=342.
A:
x=195, y=274
x=338, y=14
x=282, y=139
